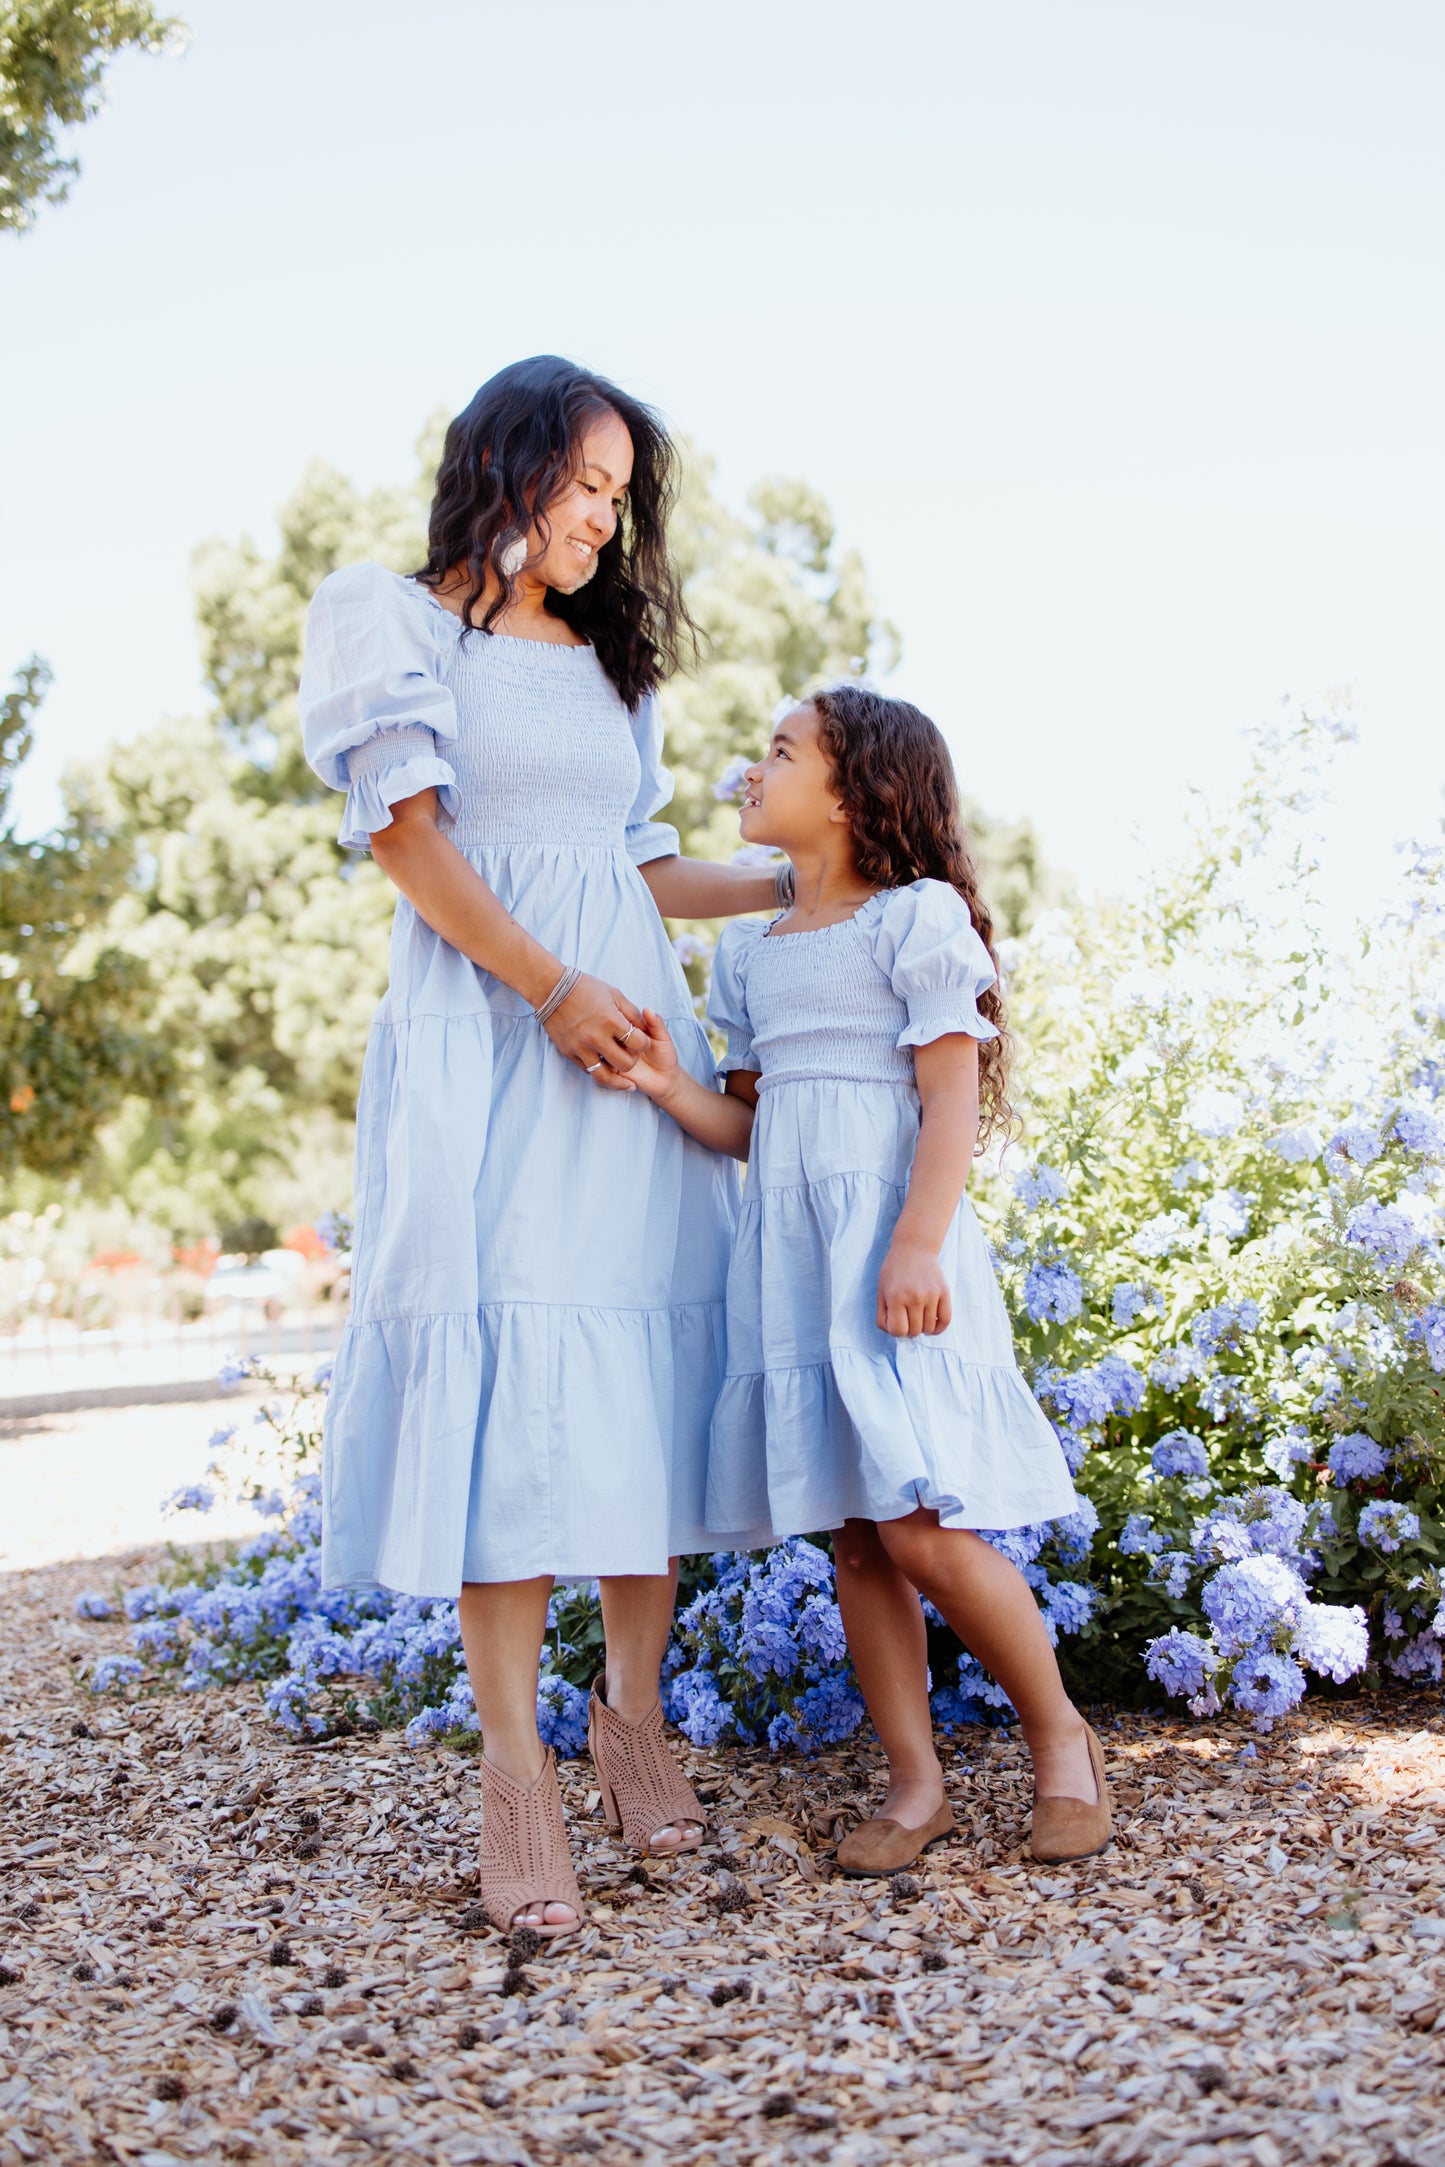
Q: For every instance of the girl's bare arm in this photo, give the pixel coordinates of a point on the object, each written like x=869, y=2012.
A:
x=913, y=1294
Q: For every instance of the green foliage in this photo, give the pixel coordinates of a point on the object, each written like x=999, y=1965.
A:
x=53, y=57
x=73, y=1003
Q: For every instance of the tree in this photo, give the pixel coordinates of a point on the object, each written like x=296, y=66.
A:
x=53, y=58
x=74, y=1042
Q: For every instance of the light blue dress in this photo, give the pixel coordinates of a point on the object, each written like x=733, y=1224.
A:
x=823, y=1416
x=536, y=1333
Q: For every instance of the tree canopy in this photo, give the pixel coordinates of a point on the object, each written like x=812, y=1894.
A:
x=53, y=58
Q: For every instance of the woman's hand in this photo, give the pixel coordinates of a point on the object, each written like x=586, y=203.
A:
x=657, y=1068
x=913, y=1295
x=598, y=1028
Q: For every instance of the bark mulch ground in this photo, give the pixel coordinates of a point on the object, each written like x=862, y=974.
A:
x=219, y=1946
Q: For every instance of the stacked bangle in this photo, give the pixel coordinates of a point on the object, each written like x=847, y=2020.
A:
x=558, y=994
x=783, y=886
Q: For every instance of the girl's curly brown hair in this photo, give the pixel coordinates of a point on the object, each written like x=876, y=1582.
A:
x=894, y=775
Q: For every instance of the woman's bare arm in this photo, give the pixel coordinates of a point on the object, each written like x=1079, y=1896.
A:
x=457, y=904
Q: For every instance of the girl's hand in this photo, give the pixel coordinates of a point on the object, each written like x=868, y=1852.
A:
x=913, y=1294
x=657, y=1068
x=598, y=1028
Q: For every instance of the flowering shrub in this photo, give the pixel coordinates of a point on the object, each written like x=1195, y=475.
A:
x=1223, y=1260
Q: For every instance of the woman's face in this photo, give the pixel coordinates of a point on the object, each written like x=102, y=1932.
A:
x=583, y=518
x=791, y=801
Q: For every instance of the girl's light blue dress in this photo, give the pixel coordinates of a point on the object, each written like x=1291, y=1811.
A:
x=823, y=1416
x=536, y=1333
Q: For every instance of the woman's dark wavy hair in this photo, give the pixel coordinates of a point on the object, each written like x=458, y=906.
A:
x=506, y=457
x=894, y=775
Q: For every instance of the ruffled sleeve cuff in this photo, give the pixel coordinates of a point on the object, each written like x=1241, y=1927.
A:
x=649, y=839
x=740, y=1054
x=952, y=1011
x=392, y=765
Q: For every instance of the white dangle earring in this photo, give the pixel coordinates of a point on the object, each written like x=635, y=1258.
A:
x=513, y=557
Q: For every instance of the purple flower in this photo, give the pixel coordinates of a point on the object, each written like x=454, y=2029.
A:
x=1386, y=1526
x=1332, y=1639
x=191, y=1497
x=1356, y=1458
x=114, y=1671
x=1428, y=1330
x=1252, y=1601
x=1419, y=1132
x=1179, y=1453
x=1181, y=1662
x=1224, y=1325
x=1390, y=1236
x=1130, y=1301
x=1297, y=1145
x=1226, y=1213
x=1267, y=1685
x=92, y=1605
x=1358, y=1141
x=1053, y=1294
x=1045, y=1185
x=1139, y=1537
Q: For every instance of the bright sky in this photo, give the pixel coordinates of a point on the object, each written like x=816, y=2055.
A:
x=1115, y=334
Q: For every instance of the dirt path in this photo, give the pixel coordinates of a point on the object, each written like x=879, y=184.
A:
x=219, y=1946
x=88, y=1483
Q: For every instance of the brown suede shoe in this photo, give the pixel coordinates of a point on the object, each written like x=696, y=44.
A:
x=1068, y=1828
x=885, y=1847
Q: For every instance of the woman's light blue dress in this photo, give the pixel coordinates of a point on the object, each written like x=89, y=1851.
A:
x=536, y=1333
x=823, y=1416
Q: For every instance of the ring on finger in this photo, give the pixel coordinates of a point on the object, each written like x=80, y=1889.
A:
x=592, y=1070
x=630, y=1029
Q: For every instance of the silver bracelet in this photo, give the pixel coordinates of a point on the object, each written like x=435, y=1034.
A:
x=783, y=886
x=559, y=993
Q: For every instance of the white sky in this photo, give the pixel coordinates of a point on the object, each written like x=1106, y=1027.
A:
x=1115, y=333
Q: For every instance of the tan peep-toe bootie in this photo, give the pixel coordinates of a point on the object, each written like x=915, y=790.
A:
x=643, y=1789
x=1070, y=1828
x=881, y=1846
x=525, y=1859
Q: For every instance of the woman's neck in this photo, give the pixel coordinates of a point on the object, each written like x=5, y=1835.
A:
x=527, y=617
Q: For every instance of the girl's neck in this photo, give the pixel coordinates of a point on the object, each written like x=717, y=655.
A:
x=827, y=886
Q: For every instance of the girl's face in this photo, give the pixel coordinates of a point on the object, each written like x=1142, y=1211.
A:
x=583, y=518
x=791, y=802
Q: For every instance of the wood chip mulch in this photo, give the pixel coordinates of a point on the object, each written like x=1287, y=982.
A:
x=219, y=1946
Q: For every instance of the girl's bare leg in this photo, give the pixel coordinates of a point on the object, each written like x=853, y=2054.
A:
x=637, y=1613
x=502, y=1626
x=991, y=1607
x=887, y=1639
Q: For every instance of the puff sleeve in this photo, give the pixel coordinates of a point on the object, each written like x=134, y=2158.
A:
x=648, y=838
x=727, y=1000
x=376, y=719
x=924, y=939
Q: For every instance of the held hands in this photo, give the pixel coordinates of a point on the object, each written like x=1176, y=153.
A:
x=657, y=1068
x=600, y=1029
x=913, y=1294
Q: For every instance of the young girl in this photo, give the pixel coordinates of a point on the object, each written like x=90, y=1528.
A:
x=871, y=1381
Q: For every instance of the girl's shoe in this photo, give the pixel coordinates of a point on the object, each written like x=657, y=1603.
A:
x=525, y=1859
x=880, y=1846
x=643, y=1790
x=1068, y=1828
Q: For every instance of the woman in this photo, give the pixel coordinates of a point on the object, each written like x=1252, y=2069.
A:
x=535, y=1344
